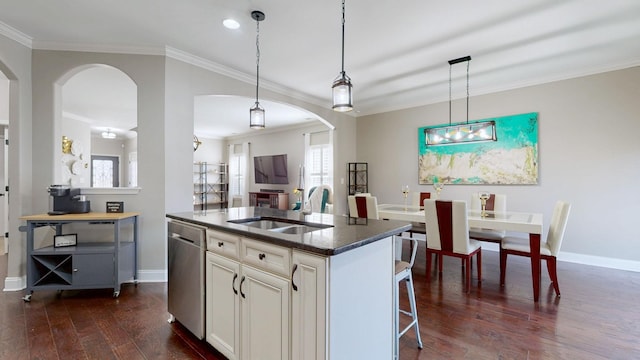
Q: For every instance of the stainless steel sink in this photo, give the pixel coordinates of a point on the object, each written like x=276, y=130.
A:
x=295, y=229
x=283, y=226
x=265, y=224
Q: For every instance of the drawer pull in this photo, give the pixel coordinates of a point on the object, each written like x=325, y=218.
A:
x=220, y=244
x=242, y=282
x=233, y=284
x=293, y=284
x=261, y=256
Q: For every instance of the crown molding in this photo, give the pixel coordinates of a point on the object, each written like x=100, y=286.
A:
x=16, y=35
x=241, y=76
x=100, y=48
x=167, y=51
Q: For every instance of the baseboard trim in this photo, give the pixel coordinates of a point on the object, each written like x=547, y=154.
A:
x=152, y=275
x=611, y=263
x=15, y=283
x=20, y=283
x=600, y=261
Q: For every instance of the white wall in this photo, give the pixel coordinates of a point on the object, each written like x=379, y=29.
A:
x=288, y=141
x=588, y=155
x=211, y=151
x=79, y=132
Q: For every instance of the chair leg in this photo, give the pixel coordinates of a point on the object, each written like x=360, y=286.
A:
x=503, y=265
x=439, y=263
x=467, y=273
x=414, y=309
x=551, y=268
x=479, y=264
x=428, y=270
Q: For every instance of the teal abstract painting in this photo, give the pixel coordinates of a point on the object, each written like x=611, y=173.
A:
x=512, y=159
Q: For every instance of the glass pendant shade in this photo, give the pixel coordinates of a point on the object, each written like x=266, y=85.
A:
x=256, y=117
x=461, y=133
x=342, y=96
x=108, y=135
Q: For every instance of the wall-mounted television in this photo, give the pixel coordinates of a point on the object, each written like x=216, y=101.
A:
x=270, y=169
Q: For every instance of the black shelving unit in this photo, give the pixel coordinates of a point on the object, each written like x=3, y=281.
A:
x=210, y=185
x=358, y=173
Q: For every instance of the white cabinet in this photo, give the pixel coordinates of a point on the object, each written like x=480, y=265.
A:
x=264, y=314
x=247, y=311
x=222, y=325
x=308, y=306
x=266, y=301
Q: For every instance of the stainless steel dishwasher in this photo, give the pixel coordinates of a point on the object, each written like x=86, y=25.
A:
x=185, y=287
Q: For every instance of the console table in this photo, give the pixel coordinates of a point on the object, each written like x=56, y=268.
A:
x=88, y=264
x=269, y=199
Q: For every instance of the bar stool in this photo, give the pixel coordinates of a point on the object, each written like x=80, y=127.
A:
x=403, y=273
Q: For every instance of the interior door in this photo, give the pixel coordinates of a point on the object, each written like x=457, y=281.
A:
x=4, y=198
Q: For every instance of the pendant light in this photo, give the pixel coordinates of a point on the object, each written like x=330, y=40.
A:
x=342, y=97
x=108, y=134
x=256, y=113
x=449, y=134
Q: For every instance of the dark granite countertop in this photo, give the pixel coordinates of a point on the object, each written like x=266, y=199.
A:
x=343, y=234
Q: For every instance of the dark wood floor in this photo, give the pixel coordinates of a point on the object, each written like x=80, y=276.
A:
x=597, y=317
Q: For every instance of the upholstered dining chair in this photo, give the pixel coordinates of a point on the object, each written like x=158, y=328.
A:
x=548, y=250
x=319, y=197
x=363, y=206
x=418, y=200
x=448, y=234
x=497, y=203
x=403, y=273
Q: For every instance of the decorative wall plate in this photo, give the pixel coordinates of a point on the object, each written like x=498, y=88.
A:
x=76, y=167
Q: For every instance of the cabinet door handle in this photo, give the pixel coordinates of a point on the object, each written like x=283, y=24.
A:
x=293, y=284
x=220, y=244
x=233, y=283
x=242, y=282
x=261, y=256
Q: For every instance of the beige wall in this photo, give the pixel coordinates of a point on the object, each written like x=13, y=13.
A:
x=588, y=155
x=15, y=63
x=50, y=70
x=595, y=170
x=185, y=81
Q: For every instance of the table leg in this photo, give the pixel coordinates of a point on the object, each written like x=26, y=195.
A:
x=534, y=246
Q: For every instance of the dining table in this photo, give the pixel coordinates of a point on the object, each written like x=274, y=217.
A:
x=522, y=222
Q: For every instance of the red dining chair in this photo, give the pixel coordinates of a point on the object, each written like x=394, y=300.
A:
x=363, y=206
x=497, y=203
x=448, y=234
x=418, y=200
x=548, y=250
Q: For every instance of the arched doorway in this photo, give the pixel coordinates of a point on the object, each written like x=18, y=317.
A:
x=99, y=115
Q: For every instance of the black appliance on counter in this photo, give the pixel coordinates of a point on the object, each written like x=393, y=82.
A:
x=67, y=200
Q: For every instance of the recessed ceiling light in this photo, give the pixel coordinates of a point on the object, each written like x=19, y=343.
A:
x=230, y=24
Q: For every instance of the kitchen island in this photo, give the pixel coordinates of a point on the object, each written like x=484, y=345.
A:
x=284, y=285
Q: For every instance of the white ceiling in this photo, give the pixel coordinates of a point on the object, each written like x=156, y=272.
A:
x=396, y=52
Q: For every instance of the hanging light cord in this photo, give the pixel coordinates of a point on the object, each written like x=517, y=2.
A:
x=257, y=57
x=343, y=38
x=456, y=61
x=450, y=93
x=468, y=62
